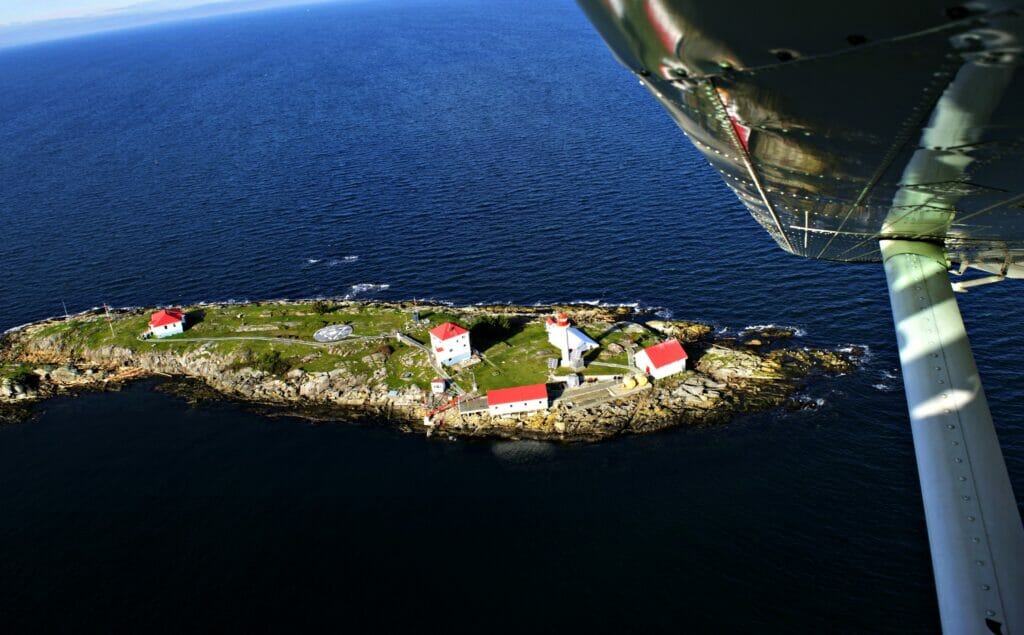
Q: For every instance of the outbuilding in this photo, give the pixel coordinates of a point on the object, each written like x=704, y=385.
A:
x=438, y=385
x=662, y=360
x=504, y=401
x=449, y=344
x=166, y=322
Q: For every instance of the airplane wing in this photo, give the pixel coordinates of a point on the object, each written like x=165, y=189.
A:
x=878, y=130
x=839, y=124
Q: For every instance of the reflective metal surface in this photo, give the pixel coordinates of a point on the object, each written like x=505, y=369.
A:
x=840, y=124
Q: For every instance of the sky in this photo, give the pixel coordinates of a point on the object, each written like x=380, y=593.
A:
x=28, y=21
x=28, y=11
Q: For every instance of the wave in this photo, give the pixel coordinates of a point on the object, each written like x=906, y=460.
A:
x=364, y=287
x=861, y=353
x=798, y=331
x=333, y=261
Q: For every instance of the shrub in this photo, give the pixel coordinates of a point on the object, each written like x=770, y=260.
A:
x=271, y=362
x=322, y=307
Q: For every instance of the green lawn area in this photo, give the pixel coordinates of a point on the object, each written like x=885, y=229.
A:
x=518, y=352
x=521, y=359
x=292, y=321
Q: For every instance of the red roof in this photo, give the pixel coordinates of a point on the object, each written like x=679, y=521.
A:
x=561, y=320
x=447, y=331
x=166, y=316
x=519, y=393
x=665, y=353
x=438, y=380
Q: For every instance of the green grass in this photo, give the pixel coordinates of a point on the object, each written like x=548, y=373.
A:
x=520, y=358
x=19, y=372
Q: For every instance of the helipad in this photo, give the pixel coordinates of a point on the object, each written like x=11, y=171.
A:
x=333, y=333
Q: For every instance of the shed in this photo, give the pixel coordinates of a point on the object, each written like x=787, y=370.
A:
x=505, y=401
x=662, y=360
x=166, y=322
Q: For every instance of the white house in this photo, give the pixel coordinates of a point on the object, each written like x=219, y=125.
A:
x=519, y=399
x=438, y=385
x=572, y=342
x=449, y=344
x=166, y=322
x=662, y=360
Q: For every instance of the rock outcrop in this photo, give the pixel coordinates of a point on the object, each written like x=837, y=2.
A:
x=728, y=376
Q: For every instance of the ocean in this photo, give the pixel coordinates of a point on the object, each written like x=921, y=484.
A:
x=458, y=151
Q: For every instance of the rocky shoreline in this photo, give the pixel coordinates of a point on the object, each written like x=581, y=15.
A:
x=756, y=371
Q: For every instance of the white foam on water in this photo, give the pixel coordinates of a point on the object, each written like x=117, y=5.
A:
x=365, y=287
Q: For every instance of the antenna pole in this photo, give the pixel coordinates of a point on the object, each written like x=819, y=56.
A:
x=110, y=322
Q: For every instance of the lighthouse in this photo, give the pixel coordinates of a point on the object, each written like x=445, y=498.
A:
x=572, y=342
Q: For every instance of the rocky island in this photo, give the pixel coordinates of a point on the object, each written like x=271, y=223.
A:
x=383, y=362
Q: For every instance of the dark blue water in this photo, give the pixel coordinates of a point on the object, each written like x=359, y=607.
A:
x=466, y=152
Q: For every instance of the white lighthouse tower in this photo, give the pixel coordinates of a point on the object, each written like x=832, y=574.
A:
x=572, y=342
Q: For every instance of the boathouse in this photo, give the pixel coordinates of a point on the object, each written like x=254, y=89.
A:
x=166, y=322
x=449, y=344
x=572, y=342
x=504, y=401
x=662, y=360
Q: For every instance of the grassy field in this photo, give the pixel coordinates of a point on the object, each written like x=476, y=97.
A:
x=519, y=359
x=516, y=349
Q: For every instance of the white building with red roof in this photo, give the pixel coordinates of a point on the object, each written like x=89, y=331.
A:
x=166, y=322
x=662, y=360
x=505, y=401
x=449, y=344
x=572, y=342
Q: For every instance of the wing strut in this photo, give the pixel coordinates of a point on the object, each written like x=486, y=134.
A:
x=974, y=527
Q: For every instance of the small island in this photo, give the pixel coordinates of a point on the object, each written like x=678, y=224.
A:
x=567, y=372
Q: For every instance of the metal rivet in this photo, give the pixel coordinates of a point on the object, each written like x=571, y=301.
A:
x=958, y=460
x=965, y=498
x=962, y=478
x=975, y=539
x=950, y=426
x=970, y=518
x=985, y=587
x=990, y=613
x=980, y=563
